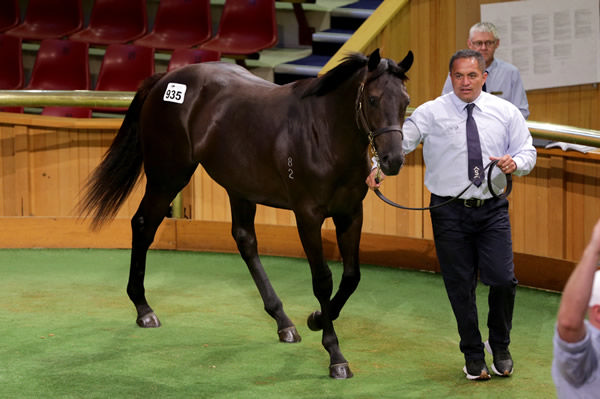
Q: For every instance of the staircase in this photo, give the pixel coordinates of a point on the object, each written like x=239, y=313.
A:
x=344, y=21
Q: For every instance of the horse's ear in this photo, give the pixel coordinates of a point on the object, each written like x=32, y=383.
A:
x=374, y=60
x=407, y=62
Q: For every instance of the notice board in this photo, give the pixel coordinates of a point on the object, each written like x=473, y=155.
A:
x=553, y=42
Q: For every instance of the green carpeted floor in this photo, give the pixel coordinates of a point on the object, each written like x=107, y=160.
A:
x=67, y=330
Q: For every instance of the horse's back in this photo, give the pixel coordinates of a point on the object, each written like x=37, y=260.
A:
x=204, y=95
x=212, y=79
x=224, y=117
x=209, y=85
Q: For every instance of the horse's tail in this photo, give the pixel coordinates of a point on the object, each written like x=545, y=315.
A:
x=112, y=181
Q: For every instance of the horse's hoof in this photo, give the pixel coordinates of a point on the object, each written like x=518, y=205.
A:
x=340, y=371
x=149, y=320
x=289, y=335
x=314, y=322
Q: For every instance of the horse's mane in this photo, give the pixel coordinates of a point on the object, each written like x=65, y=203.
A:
x=336, y=76
x=348, y=67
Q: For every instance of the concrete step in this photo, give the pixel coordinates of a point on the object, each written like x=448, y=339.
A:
x=328, y=42
x=344, y=21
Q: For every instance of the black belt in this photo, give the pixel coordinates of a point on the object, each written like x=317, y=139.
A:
x=467, y=203
x=473, y=202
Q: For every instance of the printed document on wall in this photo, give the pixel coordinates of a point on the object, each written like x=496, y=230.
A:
x=553, y=42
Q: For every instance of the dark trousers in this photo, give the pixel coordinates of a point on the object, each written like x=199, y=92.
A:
x=471, y=242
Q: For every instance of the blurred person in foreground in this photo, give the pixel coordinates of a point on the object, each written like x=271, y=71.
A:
x=575, y=369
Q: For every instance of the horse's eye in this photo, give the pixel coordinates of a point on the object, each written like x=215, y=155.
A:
x=372, y=100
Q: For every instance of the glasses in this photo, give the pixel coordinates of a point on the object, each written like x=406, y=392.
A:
x=479, y=43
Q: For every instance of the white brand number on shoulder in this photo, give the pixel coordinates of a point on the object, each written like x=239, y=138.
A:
x=175, y=93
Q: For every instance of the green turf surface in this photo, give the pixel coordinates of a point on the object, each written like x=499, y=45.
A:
x=67, y=330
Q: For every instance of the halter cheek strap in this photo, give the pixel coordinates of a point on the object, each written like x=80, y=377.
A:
x=362, y=121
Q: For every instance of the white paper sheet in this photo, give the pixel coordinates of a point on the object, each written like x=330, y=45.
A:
x=553, y=42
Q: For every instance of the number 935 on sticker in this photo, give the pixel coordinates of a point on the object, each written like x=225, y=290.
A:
x=175, y=93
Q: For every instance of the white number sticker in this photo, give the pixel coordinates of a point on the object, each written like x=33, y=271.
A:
x=175, y=93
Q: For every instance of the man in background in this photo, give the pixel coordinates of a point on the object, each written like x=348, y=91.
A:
x=503, y=79
x=576, y=369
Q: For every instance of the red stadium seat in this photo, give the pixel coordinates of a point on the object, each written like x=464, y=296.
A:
x=124, y=67
x=49, y=19
x=179, y=24
x=186, y=56
x=115, y=21
x=14, y=110
x=61, y=65
x=10, y=15
x=11, y=67
x=246, y=27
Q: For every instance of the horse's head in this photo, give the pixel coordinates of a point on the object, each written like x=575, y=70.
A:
x=380, y=108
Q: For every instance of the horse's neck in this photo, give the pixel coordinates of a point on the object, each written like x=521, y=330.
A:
x=339, y=139
x=344, y=100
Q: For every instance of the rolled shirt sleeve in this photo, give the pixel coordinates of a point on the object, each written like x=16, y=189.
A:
x=575, y=366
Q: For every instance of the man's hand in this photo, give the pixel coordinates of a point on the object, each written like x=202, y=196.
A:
x=505, y=163
x=374, y=179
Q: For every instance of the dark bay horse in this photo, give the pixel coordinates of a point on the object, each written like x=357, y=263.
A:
x=301, y=146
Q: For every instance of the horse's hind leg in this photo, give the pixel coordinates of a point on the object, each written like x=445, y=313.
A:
x=242, y=229
x=145, y=222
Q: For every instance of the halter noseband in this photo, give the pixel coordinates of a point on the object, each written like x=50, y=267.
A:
x=362, y=121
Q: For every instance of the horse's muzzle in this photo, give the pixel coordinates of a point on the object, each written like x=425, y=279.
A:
x=390, y=164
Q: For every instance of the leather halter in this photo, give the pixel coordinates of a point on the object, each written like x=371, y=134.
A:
x=362, y=121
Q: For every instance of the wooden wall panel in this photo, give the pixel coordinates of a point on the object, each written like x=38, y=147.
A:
x=7, y=169
x=431, y=46
x=582, y=186
x=67, y=232
x=553, y=210
x=187, y=235
x=394, y=38
x=405, y=190
x=44, y=168
x=530, y=205
x=22, y=186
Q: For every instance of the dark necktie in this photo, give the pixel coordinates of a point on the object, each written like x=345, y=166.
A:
x=473, y=148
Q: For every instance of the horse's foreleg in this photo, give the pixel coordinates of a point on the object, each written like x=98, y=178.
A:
x=144, y=224
x=348, y=230
x=310, y=235
x=242, y=229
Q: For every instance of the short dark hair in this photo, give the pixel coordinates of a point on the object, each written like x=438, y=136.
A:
x=468, y=53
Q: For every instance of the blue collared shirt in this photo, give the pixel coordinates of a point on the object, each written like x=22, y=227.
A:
x=575, y=368
x=441, y=125
x=504, y=81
